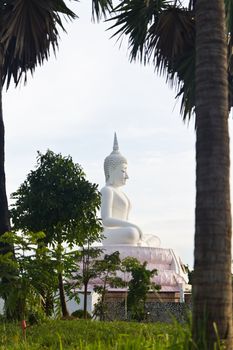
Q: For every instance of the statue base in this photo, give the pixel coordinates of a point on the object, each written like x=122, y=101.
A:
x=171, y=275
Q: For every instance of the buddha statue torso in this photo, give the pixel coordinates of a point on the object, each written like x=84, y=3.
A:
x=121, y=207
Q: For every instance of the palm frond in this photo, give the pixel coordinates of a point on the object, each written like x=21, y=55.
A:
x=171, y=37
x=133, y=19
x=164, y=32
x=29, y=29
x=101, y=8
x=192, y=4
x=185, y=69
x=229, y=15
x=229, y=25
x=171, y=45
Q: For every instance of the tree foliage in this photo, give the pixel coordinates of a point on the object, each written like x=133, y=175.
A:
x=57, y=199
x=85, y=271
x=25, y=275
x=106, y=269
x=28, y=30
x=139, y=286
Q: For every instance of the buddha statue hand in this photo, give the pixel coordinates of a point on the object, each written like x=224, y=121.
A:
x=139, y=231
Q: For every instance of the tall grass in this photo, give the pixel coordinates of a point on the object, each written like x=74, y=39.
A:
x=94, y=335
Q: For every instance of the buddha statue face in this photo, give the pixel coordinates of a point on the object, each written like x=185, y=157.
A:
x=118, y=175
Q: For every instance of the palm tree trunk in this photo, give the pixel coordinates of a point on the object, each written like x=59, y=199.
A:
x=4, y=214
x=212, y=289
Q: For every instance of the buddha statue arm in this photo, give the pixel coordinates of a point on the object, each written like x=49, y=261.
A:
x=106, y=212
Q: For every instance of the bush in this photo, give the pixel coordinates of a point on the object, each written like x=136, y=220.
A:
x=80, y=314
x=36, y=317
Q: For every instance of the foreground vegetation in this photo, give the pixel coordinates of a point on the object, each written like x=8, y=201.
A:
x=90, y=335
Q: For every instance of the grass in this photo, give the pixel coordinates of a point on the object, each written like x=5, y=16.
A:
x=93, y=335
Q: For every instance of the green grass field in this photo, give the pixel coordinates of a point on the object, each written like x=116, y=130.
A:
x=94, y=335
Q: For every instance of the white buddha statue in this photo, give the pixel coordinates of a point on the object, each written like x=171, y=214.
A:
x=115, y=206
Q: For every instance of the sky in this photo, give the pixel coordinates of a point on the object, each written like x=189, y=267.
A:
x=73, y=105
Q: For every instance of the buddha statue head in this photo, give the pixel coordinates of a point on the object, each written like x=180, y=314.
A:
x=115, y=166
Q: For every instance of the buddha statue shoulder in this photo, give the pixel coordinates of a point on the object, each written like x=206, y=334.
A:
x=115, y=205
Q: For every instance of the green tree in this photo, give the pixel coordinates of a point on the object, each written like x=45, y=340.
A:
x=86, y=271
x=28, y=29
x=139, y=286
x=27, y=272
x=192, y=46
x=106, y=269
x=57, y=199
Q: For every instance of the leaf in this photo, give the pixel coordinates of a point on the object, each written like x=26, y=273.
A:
x=29, y=29
x=101, y=8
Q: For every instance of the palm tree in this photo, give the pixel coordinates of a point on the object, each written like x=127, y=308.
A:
x=28, y=29
x=212, y=285
x=193, y=48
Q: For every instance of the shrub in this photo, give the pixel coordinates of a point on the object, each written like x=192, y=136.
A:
x=80, y=314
